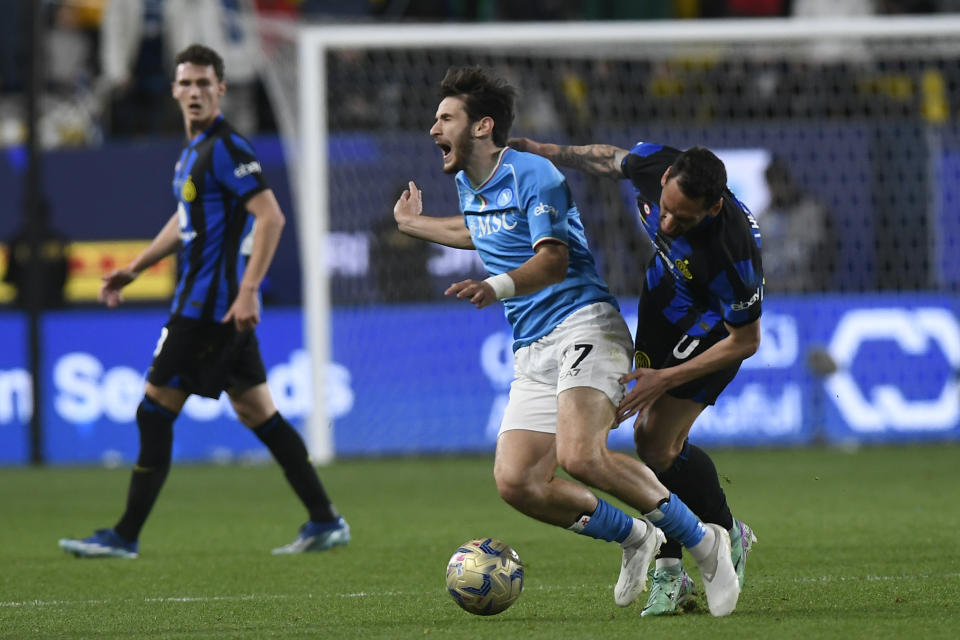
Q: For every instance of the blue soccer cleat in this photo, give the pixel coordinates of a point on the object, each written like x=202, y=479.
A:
x=104, y=543
x=318, y=536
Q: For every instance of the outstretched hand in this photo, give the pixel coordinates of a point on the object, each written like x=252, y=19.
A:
x=113, y=283
x=649, y=386
x=409, y=206
x=480, y=294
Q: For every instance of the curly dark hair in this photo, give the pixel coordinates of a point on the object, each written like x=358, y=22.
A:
x=202, y=56
x=484, y=96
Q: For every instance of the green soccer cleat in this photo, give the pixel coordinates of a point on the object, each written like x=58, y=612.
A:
x=670, y=589
x=741, y=542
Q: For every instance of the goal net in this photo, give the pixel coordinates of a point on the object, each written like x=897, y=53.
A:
x=841, y=136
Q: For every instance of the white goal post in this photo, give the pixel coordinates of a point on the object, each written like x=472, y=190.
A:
x=308, y=131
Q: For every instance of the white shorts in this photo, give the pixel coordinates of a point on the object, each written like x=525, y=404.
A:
x=592, y=347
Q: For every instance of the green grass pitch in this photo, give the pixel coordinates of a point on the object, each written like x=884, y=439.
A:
x=862, y=544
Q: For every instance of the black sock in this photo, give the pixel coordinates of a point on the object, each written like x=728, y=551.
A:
x=693, y=477
x=288, y=450
x=153, y=464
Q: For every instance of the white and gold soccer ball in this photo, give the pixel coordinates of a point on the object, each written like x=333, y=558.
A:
x=485, y=576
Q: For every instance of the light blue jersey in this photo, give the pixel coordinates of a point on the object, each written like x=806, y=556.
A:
x=524, y=202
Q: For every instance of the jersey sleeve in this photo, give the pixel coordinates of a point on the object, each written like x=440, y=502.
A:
x=644, y=166
x=740, y=291
x=237, y=169
x=545, y=198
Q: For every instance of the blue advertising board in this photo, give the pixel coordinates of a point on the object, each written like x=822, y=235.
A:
x=16, y=397
x=433, y=378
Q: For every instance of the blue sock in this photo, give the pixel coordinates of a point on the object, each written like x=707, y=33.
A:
x=606, y=523
x=677, y=521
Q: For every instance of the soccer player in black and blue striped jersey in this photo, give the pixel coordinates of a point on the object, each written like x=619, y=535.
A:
x=698, y=319
x=208, y=344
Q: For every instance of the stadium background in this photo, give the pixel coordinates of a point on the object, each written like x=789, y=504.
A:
x=867, y=351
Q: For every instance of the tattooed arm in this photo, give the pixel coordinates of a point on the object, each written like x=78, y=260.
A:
x=598, y=159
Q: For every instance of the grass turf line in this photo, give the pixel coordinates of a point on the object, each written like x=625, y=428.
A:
x=852, y=545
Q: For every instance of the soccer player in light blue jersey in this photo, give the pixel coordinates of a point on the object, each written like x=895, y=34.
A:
x=571, y=346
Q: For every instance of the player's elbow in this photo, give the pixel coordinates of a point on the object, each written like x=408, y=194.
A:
x=749, y=342
x=554, y=261
x=557, y=273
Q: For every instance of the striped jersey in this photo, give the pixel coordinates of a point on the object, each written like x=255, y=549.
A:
x=709, y=274
x=216, y=175
x=524, y=202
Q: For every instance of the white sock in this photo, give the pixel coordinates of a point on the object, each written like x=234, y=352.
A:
x=703, y=550
x=637, y=533
x=663, y=563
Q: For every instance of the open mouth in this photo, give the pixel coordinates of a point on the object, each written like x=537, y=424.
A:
x=446, y=149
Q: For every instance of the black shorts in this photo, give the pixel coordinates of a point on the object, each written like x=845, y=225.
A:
x=205, y=358
x=660, y=344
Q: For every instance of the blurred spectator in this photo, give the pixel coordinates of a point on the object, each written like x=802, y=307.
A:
x=133, y=58
x=71, y=43
x=13, y=55
x=797, y=236
x=832, y=8
x=539, y=10
x=139, y=38
x=630, y=10
x=278, y=8
x=834, y=50
x=908, y=6
x=756, y=8
x=72, y=107
x=52, y=262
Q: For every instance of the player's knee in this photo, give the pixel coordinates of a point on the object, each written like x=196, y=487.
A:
x=252, y=414
x=252, y=411
x=586, y=465
x=516, y=489
x=655, y=455
x=246, y=415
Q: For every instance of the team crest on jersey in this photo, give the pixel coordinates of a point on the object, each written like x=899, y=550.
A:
x=188, y=191
x=641, y=360
x=646, y=209
x=683, y=266
x=504, y=197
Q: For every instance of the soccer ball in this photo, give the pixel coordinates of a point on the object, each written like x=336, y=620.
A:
x=485, y=576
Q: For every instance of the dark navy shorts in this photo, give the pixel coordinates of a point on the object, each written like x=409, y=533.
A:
x=660, y=344
x=205, y=358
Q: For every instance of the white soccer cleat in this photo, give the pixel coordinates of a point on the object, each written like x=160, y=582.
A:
x=633, y=569
x=719, y=577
